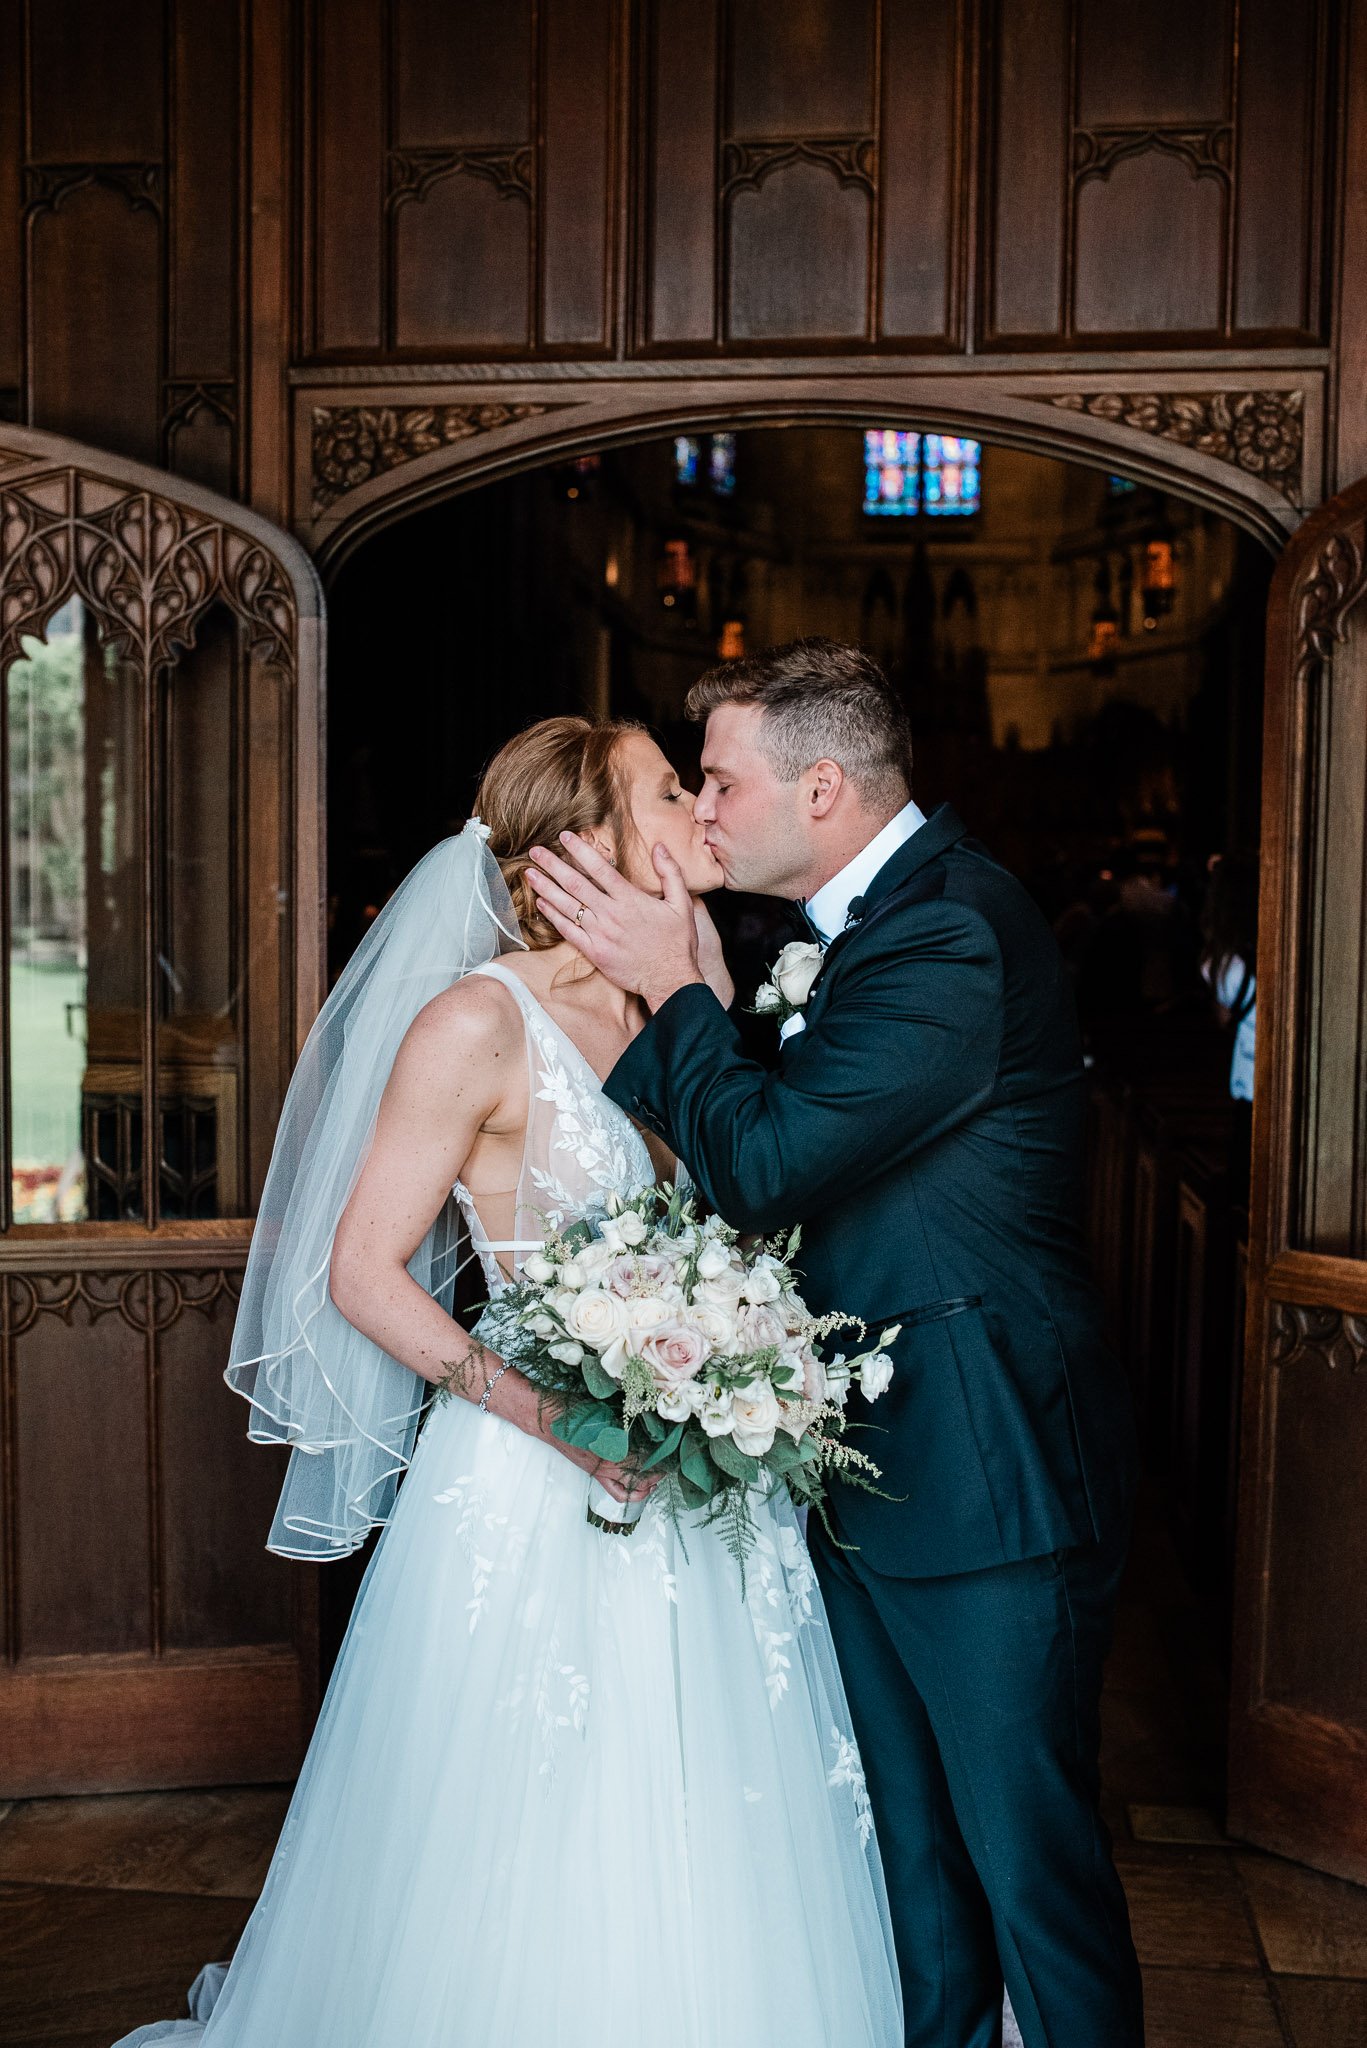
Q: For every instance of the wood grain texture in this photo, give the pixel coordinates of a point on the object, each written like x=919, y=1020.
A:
x=1298, y=1730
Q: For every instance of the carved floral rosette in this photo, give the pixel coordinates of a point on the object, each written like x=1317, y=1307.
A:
x=352, y=444
x=1259, y=432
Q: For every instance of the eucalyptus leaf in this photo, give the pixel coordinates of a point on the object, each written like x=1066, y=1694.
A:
x=732, y=1462
x=667, y=1448
x=600, y=1384
x=694, y=1462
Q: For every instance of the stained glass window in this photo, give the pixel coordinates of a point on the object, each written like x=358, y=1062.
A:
x=892, y=463
x=1119, y=486
x=686, y=452
x=950, y=471
x=721, y=464
x=905, y=474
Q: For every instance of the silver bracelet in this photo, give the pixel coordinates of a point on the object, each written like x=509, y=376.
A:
x=484, y=1397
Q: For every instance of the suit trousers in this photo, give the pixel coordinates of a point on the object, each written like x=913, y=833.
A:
x=976, y=1703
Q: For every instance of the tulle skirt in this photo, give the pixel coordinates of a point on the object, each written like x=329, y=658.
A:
x=567, y=1789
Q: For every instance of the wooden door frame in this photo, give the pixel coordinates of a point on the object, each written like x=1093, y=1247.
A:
x=149, y=555
x=1296, y=1778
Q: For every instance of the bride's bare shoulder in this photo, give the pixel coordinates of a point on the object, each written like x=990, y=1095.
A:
x=470, y=1026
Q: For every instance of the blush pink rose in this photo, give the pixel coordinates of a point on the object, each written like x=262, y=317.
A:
x=676, y=1351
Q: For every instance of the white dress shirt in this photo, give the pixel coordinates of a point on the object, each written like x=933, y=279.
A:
x=830, y=907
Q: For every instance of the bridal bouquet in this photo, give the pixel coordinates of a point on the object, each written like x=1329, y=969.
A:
x=664, y=1345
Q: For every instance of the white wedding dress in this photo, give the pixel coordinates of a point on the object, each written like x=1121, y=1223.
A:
x=566, y=1788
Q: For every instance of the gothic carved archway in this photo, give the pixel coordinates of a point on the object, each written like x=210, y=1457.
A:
x=1245, y=445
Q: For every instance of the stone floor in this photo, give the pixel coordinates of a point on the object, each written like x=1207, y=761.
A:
x=108, y=1906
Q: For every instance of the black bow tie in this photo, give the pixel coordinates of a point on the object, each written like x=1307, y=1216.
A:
x=852, y=917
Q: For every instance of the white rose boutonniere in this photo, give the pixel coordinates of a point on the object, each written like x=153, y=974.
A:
x=790, y=982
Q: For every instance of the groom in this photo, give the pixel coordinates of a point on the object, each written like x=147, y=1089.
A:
x=923, y=1120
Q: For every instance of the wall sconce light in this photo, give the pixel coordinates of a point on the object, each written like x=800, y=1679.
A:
x=677, y=578
x=1158, y=585
x=731, y=645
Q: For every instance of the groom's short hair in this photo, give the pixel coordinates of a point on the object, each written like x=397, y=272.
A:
x=821, y=700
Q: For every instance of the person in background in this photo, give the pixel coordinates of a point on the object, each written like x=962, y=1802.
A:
x=1229, y=961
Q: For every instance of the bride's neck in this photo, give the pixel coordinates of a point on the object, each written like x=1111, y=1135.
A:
x=568, y=972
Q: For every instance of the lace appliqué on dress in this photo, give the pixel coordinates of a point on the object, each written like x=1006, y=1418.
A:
x=848, y=1769
x=780, y=1578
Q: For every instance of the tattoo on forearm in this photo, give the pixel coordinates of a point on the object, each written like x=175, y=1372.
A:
x=458, y=1375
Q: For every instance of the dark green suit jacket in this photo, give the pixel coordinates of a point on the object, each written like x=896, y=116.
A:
x=926, y=1129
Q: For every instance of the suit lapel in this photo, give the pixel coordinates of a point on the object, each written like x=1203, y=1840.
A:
x=943, y=829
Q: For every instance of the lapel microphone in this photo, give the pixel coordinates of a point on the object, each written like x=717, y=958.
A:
x=855, y=911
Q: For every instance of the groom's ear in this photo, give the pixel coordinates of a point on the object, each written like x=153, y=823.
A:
x=825, y=780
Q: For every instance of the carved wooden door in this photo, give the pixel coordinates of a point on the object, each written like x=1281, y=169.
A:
x=160, y=656
x=1298, y=1758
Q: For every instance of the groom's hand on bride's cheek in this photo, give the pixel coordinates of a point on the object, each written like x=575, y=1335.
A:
x=647, y=944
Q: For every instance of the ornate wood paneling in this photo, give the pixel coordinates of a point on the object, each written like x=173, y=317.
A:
x=809, y=187
x=1298, y=1724
x=1154, y=174
x=137, y=1595
x=120, y=204
x=80, y=1565
x=462, y=177
x=11, y=208
x=498, y=181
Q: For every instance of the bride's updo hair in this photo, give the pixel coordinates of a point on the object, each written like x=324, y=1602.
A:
x=560, y=775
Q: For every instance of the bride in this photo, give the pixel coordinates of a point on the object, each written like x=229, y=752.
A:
x=564, y=1784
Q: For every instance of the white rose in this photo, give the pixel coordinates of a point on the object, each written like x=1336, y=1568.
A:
x=760, y=1327
x=723, y=1292
x=613, y=1358
x=644, y=1313
x=561, y=1302
x=713, y=1407
x=675, y=1404
x=541, y=1326
x=592, y=1258
x=793, y=1310
x=676, y=1351
x=755, y=1418
x=791, y=1371
x=763, y=1284
x=713, y=1260
x=767, y=998
x=538, y=1269
x=833, y=1377
x=568, y=1352
x=875, y=1375
x=597, y=1318
x=572, y=1274
x=795, y=969
x=632, y=1229
x=610, y=1236
x=716, y=1325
